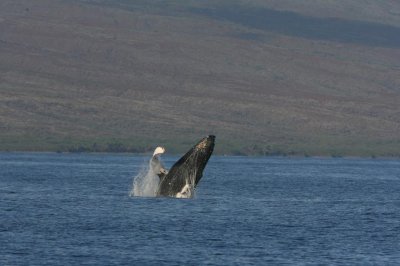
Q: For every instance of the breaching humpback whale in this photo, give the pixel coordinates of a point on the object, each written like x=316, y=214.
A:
x=181, y=180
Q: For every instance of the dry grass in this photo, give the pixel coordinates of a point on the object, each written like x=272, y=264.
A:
x=75, y=75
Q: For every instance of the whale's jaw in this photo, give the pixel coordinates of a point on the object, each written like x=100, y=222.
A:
x=186, y=173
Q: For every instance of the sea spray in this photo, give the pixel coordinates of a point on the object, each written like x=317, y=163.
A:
x=145, y=183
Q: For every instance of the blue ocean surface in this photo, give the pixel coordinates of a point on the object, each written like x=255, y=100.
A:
x=75, y=209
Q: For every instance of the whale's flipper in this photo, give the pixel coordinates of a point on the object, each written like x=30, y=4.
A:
x=156, y=165
x=186, y=173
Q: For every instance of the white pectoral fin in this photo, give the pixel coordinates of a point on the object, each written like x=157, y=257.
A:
x=156, y=164
x=158, y=151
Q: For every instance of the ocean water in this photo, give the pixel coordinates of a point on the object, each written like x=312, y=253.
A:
x=75, y=209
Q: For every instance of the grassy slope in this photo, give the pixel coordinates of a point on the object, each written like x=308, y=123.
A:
x=123, y=76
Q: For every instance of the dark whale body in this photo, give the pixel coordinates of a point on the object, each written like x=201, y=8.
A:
x=186, y=173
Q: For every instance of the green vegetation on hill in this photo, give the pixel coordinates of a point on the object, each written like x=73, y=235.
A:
x=265, y=77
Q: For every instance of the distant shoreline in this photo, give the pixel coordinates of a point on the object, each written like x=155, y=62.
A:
x=215, y=155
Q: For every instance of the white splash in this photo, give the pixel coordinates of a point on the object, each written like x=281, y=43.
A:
x=187, y=192
x=145, y=184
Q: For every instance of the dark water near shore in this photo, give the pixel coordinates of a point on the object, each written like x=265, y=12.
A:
x=74, y=209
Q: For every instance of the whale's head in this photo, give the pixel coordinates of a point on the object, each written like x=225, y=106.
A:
x=205, y=146
x=197, y=157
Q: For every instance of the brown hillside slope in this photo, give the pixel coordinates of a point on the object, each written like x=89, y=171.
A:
x=78, y=75
x=380, y=11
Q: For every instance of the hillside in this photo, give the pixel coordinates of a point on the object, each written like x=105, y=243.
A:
x=266, y=77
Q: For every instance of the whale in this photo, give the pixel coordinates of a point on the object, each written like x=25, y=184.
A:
x=182, y=179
